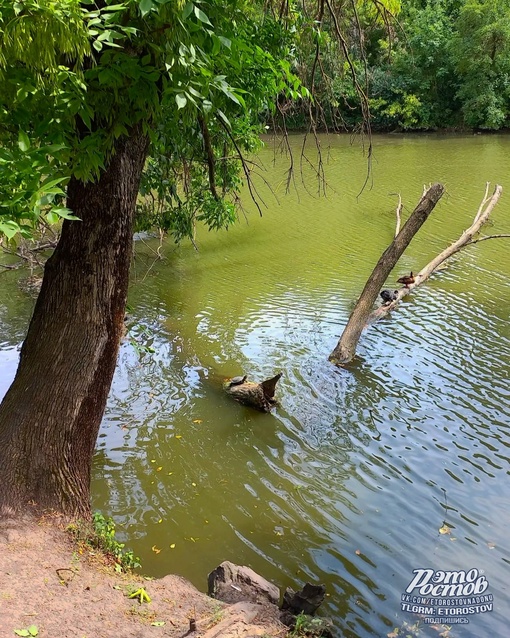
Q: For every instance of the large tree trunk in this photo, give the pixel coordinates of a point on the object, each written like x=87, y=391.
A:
x=346, y=347
x=50, y=417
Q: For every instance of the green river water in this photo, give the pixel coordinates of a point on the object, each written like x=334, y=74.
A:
x=350, y=479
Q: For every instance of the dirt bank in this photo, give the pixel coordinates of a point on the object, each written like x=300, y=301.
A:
x=66, y=590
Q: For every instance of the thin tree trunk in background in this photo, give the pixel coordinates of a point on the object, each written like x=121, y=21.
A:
x=346, y=347
x=50, y=416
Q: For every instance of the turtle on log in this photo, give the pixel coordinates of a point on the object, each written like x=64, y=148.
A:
x=256, y=395
x=237, y=380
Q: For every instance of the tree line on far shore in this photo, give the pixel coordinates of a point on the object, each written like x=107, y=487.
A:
x=423, y=64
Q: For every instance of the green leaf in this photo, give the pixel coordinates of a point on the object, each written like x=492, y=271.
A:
x=216, y=45
x=54, y=191
x=188, y=8
x=181, y=100
x=33, y=630
x=194, y=92
x=50, y=183
x=224, y=117
x=225, y=41
x=201, y=16
x=5, y=155
x=9, y=228
x=23, y=141
x=52, y=218
x=22, y=632
x=158, y=623
x=65, y=213
x=145, y=7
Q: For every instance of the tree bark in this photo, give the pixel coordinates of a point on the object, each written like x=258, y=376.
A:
x=50, y=416
x=346, y=346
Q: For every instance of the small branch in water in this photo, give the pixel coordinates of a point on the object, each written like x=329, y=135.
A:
x=465, y=240
x=398, y=212
x=11, y=266
x=476, y=241
x=345, y=349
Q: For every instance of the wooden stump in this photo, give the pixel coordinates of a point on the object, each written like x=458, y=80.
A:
x=255, y=395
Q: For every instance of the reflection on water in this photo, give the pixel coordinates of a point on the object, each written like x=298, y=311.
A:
x=350, y=479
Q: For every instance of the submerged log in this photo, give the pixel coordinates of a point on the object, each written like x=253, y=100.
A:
x=255, y=395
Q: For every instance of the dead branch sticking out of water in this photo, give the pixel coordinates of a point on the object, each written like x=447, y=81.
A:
x=398, y=212
x=346, y=347
x=465, y=240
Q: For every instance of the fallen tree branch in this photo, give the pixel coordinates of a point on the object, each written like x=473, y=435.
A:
x=346, y=346
x=11, y=266
x=466, y=239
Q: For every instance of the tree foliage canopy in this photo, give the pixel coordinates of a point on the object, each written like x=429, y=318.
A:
x=422, y=64
x=202, y=77
x=76, y=76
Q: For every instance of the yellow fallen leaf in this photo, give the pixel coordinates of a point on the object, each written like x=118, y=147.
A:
x=178, y=436
x=170, y=473
x=445, y=529
x=172, y=546
x=141, y=594
x=160, y=520
x=158, y=469
x=197, y=421
x=155, y=549
x=194, y=484
x=153, y=460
